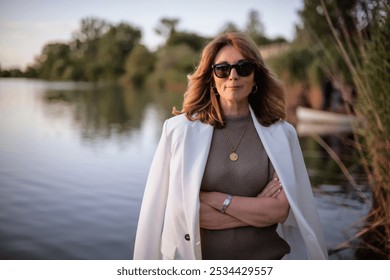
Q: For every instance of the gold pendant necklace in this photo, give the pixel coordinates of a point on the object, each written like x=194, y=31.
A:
x=233, y=155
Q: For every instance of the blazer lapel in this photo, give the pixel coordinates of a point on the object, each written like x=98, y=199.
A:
x=197, y=141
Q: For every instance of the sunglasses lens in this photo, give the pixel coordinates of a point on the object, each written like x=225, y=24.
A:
x=222, y=70
x=244, y=69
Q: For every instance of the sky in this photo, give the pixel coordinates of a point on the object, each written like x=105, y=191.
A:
x=27, y=25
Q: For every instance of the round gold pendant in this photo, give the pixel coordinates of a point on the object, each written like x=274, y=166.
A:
x=233, y=156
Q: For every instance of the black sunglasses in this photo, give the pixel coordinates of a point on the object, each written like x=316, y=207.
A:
x=243, y=68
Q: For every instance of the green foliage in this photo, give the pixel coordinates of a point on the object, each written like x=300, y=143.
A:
x=194, y=41
x=113, y=49
x=374, y=101
x=351, y=39
x=11, y=73
x=371, y=78
x=91, y=29
x=254, y=27
x=296, y=63
x=100, y=51
x=85, y=48
x=168, y=29
x=30, y=72
x=53, y=61
x=314, y=23
x=173, y=64
x=139, y=64
x=229, y=27
x=97, y=52
x=317, y=36
x=167, y=26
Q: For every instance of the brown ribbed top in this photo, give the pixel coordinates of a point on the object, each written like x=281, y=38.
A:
x=245, y=177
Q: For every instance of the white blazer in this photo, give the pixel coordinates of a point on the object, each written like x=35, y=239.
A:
x=168, y=226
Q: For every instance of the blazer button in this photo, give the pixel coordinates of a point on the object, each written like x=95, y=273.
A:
x=187, y=237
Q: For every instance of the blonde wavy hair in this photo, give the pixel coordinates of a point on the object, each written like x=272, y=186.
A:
x=200, y=101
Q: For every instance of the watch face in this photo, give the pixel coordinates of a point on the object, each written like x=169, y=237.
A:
x=226, y=203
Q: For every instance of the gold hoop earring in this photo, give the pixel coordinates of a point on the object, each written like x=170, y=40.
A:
x=255, y=89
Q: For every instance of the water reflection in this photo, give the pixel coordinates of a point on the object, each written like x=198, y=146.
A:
x=323, y=169
x=99, y=113
x=74, y=159
x=107, y=111
x=341, y=203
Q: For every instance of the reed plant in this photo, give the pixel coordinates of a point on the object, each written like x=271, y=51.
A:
x=367, y=57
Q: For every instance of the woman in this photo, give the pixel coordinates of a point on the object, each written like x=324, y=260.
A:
x=228, y=180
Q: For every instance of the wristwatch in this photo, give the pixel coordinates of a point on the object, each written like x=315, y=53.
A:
x=226, y=203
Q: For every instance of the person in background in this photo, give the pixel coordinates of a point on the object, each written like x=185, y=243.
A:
x=228, y=179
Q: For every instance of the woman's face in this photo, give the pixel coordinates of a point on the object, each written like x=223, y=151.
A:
x=234, y=89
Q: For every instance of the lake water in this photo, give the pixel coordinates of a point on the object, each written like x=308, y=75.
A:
x=74, y=160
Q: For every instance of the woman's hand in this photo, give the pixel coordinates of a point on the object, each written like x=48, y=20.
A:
x=211, y=218
x=272, y=189
x=269, y=207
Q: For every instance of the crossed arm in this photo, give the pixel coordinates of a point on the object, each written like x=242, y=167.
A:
x=269, y=207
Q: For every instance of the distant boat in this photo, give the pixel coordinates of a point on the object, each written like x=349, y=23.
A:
x=319, y=122
x=318, y=116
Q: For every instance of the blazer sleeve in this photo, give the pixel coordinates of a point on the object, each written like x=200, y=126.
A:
x=303, y=212
x=151, y=219
x=315, y=242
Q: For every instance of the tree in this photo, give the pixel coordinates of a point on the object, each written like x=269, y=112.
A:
x=193, y=40
x=254, y=26
x=11, y=73
x=91, y=29
x=139, y=64
x=167, y=27
x=85, y=47
x=97, y=52
x=172, y=66
x=114, y=47
x=52, y=62
x=255, y=29
x=31, y=72
x=229, y=27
